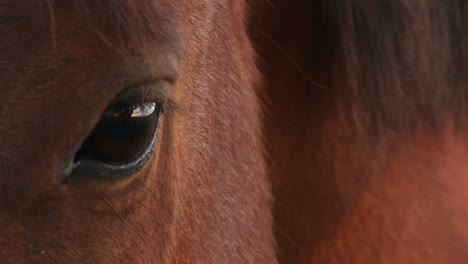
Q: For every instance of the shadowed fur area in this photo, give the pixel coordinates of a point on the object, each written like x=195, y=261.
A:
x=365, y=128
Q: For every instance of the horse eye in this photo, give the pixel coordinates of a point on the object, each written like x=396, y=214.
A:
x=124, y=135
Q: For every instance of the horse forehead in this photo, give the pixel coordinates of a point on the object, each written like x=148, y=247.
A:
x=114, y=20
x=77, y=34
x=83, y=22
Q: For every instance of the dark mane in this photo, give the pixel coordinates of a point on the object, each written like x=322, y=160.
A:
x=404, y=62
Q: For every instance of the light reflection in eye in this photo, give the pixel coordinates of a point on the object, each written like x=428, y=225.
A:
x=143, y=110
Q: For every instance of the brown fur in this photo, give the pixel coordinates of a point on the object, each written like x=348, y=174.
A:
x=365, y=129
x=204, y=196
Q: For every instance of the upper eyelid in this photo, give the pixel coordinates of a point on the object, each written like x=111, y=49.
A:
x=154, y=91
x=160, y=91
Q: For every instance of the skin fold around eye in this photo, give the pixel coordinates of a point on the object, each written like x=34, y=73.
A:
x=147, y=92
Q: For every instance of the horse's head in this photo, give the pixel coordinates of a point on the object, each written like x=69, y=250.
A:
x=129, y=133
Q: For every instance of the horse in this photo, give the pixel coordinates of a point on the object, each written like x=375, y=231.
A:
x=234, y=131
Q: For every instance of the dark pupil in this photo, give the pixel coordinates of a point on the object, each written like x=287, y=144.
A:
x=122, y=134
